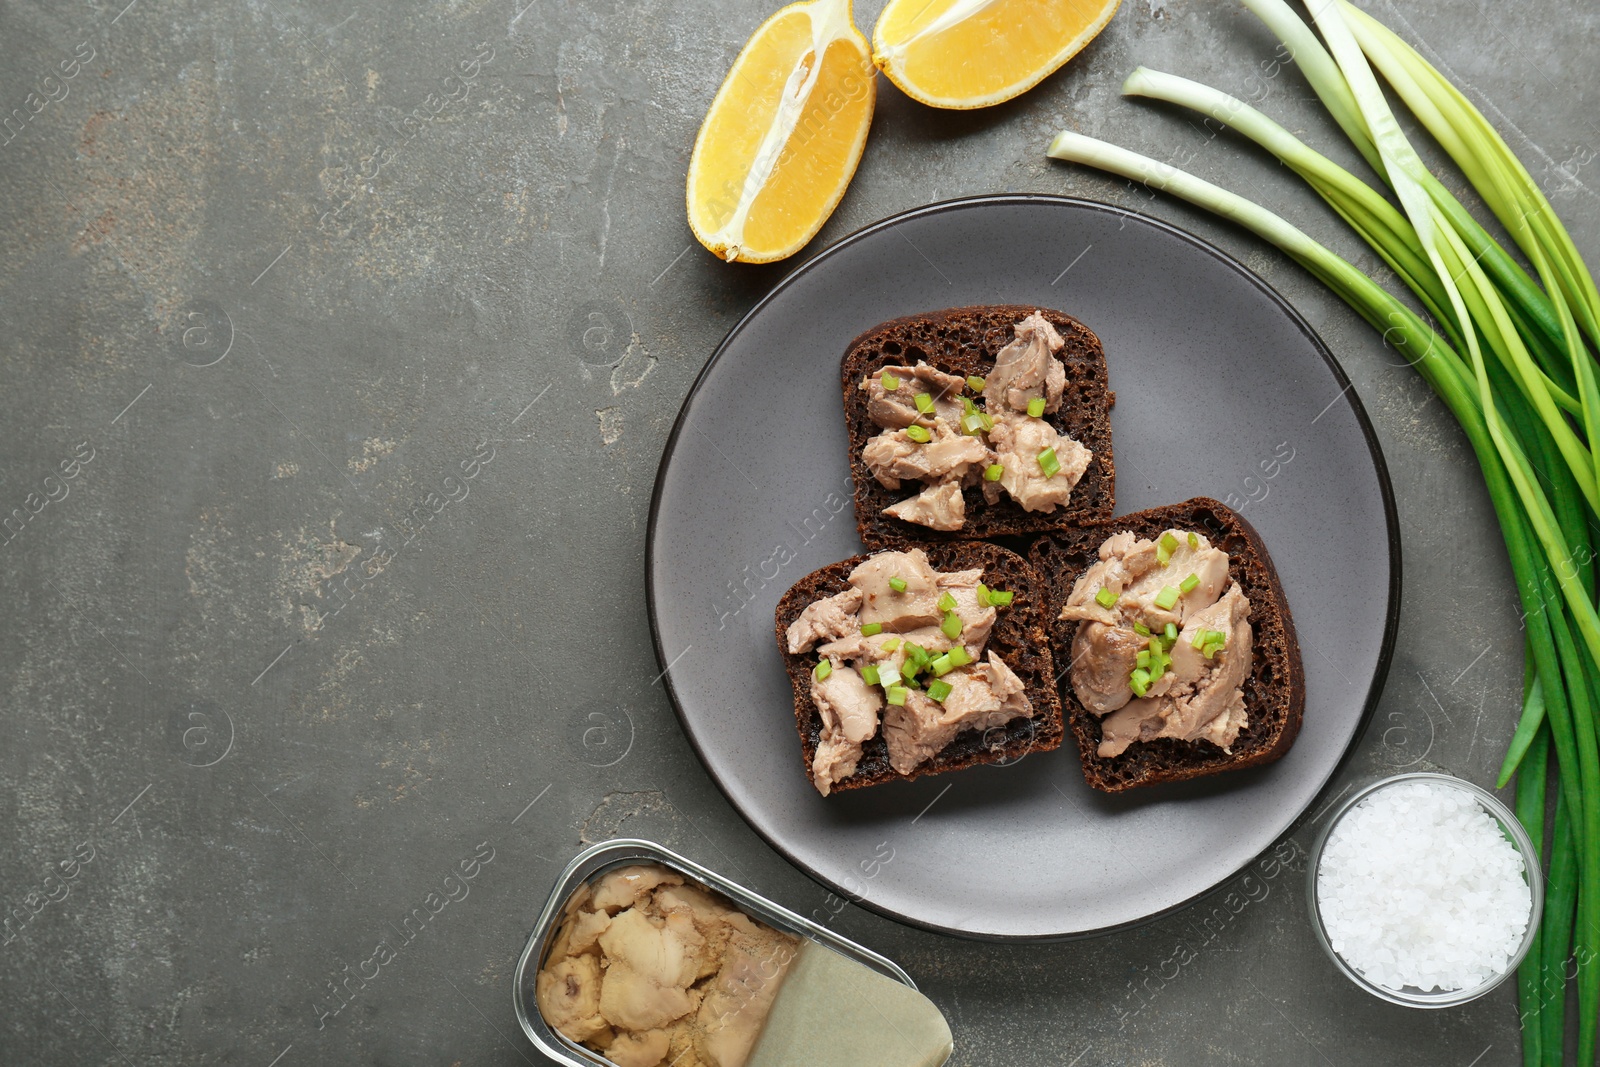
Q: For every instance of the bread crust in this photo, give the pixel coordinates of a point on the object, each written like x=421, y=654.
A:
x=1274, y=693
x=964, y=341
x=1019, y=636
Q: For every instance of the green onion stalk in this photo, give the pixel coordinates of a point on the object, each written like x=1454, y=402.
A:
x=1512, y=355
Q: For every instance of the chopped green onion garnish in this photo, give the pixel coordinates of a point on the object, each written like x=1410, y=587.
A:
x=958, y=656
x=869, y=674
x=1209, y=642
x=1141, y=629
x=994, y=472
x=1049, y=463
x=898, y=584
x=916, y=656
x=938, y=691
x=1167, y=598
x=988, y=421
x=924, y=403
x=888, y=676
x=951, y=625
x=1036, y=407
x=1157, y=669
x=919, y=434
x=999, y=599
x=822, y=670
x=947, y=602
x=1188, y=584
x=1194, y=540
x=1165, y=547
x=872, y=629
x=891, y=644
x=1170, y=634
x=983, y=595
x=896, y=695
x=968, y=407
x=1142, y=659
x=889, y=382
x=975, y=383
x=941, y=665
x=972, y=423
x=1105, y=598
x=911, y=683
x=1139, y=682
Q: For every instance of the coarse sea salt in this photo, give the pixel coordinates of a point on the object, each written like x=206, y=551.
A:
x=1418, y=887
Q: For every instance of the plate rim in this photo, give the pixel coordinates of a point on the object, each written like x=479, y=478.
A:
x=1374, y=449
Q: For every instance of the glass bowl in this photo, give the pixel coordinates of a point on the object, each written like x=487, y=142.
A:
x=1410, y=996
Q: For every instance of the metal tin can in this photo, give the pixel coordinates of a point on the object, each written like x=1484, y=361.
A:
x=597, y=860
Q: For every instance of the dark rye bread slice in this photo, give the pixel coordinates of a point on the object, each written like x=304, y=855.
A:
x=1274, y=694
x=1019, y=636
x=964, y=341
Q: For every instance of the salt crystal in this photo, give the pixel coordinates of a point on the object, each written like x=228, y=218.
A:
x=1418, y=887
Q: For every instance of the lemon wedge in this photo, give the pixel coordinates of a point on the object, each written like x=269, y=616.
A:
x=974, y=53
x=783, y=135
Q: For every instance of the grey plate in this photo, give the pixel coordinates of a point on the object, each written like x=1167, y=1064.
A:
x=1222, y=390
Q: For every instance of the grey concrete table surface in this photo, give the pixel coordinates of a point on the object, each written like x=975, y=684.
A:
x=359, y=328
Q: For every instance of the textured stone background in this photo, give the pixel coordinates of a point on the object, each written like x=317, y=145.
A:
x=279, y=314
